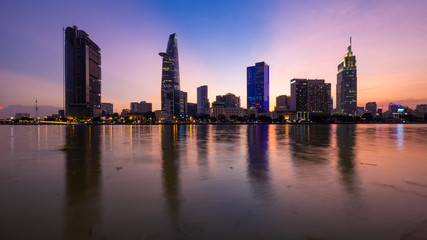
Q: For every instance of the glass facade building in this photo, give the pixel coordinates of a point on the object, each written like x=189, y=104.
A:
x=347, y=84
x=258, y=87
x=170, y=68
x=82, y=73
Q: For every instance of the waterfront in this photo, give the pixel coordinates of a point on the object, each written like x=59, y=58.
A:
x=213, y=182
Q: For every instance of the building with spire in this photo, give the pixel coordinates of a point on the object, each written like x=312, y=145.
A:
x=82, y=73
x=174, y=101
x=347, y=85
x=170, y=68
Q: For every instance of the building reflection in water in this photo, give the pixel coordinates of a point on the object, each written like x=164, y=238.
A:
x=82, y=182
x=202, y=132
x=170, y=135
x=309, y=143
x=346, y=140
x=258, y=161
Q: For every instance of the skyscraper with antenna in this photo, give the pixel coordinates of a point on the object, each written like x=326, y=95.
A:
x=347, y=84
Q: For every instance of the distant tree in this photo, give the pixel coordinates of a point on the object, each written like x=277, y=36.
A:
x=368, y=117
x=264, y=119
x=252, y=117
x=425, y=117
x=233, y=117
x=222, y=118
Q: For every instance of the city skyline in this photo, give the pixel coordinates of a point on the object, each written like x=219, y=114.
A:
x=389, y=49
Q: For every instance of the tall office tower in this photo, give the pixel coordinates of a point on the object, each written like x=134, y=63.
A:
x=176, y=103
x=372, y=108
x=310, y=95
x=347, y=84
x=170, y=68
x=82, y=66
x=203, y=104
x=282, y=103
x=258, y=87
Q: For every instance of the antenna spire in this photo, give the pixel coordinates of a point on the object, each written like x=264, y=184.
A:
x=37, y=109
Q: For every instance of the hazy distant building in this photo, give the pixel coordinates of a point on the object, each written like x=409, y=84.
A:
x=282, y=103
x=107, y=108
x=310, y=96
x=230, y=100
x=22, y=115
x=170, y=69
x=141, y=107
x=217, y=109
x=192, y=109
x=82, y=74
x=371, y=107
x=144, y=107
x=203, y=104
x=421, y=108
x=134, y=107
x=227, y=105
x=258, y=87
x=347, y=84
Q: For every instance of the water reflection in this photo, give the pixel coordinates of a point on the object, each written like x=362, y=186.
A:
x=170, y=170
x=346, y=140
x=202, y=148
x=258, y=161
x=82, y=182
x=310, y=143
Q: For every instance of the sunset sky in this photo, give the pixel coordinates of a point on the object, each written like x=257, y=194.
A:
x=217, y=40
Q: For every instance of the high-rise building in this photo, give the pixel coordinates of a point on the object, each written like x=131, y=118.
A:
x=371, y=107
x=82, y=65
x=347, y=84
x=203, y=104
x=176, y=103
x=170, y=68
x=258, y=87
x=312, y=96
x=192, y=109
x=282, y=103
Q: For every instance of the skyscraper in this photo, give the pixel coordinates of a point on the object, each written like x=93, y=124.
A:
x=347, y=84
x=170, y=68
x=82, y=66
x=203, y=104
x=310, y=97
x=258, y=87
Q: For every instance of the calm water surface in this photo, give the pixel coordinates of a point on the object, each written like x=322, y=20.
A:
x=214, y=182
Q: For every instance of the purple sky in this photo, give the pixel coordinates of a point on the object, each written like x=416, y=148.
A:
x=217, y=40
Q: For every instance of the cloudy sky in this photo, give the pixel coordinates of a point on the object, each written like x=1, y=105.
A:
x=217, y=40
